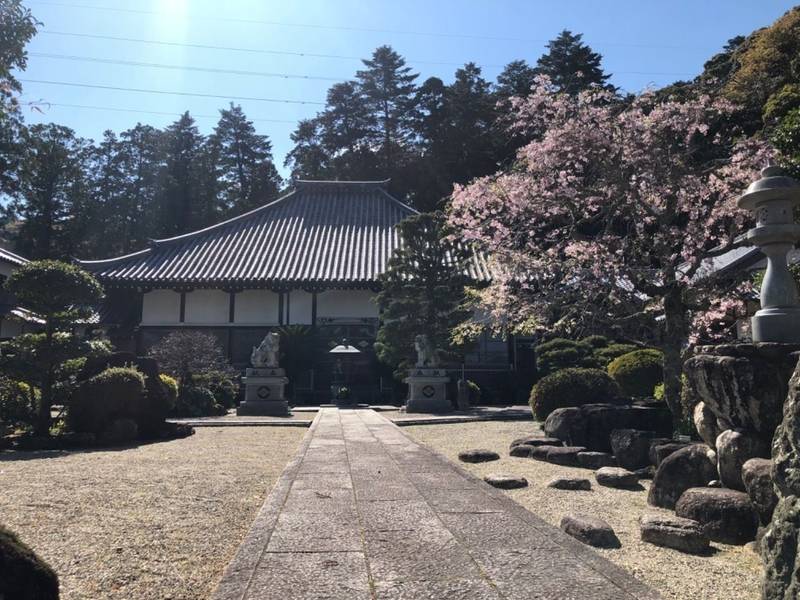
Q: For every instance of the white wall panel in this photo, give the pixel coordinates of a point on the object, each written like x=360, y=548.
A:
x=298, y=307
x=347, y=304
x=207, y=307
x=161, y=307
x=257, y=307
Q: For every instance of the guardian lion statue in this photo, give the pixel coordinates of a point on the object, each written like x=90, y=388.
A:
x=265, y=355
x=427, y=355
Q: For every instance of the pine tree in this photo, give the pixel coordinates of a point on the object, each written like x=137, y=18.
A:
x=571, y=65
x=423, y=292
x=105, y=220
x=245, y=171
x=516, y=79
x=308, y=159
x=347, y=125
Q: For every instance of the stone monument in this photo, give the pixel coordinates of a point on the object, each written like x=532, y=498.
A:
x=427, y=381
x=265, y=382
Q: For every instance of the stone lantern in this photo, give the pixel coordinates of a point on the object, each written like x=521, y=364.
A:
x=772, y=199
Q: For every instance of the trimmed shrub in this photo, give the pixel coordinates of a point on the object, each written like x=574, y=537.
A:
x=18, y=402
x=561, y=353
x=604, y=356
x=571, y=387
x=225, y=390
x=24, y=575
x=120, y=431
x=116, y=393
x=637, y=373
x=171, y=387
x=596, y=341
x=197, y=402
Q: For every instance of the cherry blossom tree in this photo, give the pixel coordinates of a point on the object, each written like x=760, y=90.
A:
x=609, y=213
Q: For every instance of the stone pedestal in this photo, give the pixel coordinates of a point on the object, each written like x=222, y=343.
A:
x=427, y=391
x=264, y=393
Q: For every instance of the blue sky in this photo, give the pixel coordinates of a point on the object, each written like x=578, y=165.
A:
x=643, y=43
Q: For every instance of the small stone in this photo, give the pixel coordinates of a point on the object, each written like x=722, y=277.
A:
x=478, y=455
x=590, y=530
x=673, y=532
x=575, y=484
x=595, y=460
x=725, y=516
x=566, y=455
x=616, y=477
x=505, y=482
x=631, y=447
x=536, y=440
x=757, y=478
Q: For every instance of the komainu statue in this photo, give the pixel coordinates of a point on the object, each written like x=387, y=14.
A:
x=427, y=355
x=266, y=354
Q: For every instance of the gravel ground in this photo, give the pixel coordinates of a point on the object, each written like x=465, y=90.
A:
x=732, y=573
x=158, y=521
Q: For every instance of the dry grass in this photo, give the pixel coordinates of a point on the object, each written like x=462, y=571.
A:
x=155, y=521
x=732, y=573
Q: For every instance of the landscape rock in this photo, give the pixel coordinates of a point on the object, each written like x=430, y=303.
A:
x=590, y=530
x=673, y=532
x=23, y=574
x=725, y=515
x=734, y=448
x=565, y=455
x=591, y=425
x=705, y=422
x=595, y=460
x=521, y=451
x=505, y=482
x=535, y=440
x=757, y=478
x=660, y=449
x=647, y=472
x=693, y=466
x=478, y=455
x=570, y=483
x=616, y=477
x=631, y=447
x=780, y=550
x=541, y=452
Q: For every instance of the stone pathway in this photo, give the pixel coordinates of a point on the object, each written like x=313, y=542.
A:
x=364, y=512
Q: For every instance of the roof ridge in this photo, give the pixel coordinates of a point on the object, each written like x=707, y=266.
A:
x=13, y=257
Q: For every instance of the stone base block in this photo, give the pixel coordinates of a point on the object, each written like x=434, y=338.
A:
x=776, y=325
x=427, y=391
x=274, y=408
x=264, y=393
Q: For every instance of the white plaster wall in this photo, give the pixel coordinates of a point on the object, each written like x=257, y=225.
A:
x=298, y=305
x=207, y=307
x=161, y=307
x=256, y=307
x=347, y=304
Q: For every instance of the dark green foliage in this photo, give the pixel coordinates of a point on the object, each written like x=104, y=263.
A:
x=571, y=387
x=422, y=292
x=23, y=575
x=189, y=354
x=18, y=402
x=197, y=402
x=561, y=353
x=223, y=388
x=171, y=387
x=571, y=65
x=120, y=431
x=596, y=341
x=786, y=138
x=116, y=393
x=603, y=356
x=637, y=373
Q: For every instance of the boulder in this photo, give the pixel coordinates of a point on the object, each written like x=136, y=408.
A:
x=734, y=448
x=535, y=440
x=478, y=455
x=693, y=466
x=786, y=445
x=591, y=425
x=616, y=477
x=590, y=530
x=23, y=573
x=647, y=472
x=521, y=451
x=757, y=478
x=505, y=482
x=541, y=452
x=631, y=447
x=564, y=455
x=725, y=515
x=673, y=532
x=659, y=449
x=595, y=460
x=780, y=550
x=570, y=483
x=705, y=422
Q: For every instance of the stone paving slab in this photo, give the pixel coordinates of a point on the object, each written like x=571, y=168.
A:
x=364, y=512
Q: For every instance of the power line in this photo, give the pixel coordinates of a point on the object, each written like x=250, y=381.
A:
x=330, y=27
x=154, y=112
x=172, y=93
x=133, y=63
x=237, y=49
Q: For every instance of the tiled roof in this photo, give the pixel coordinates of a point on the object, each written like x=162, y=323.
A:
x=15, y=259
x=323, y=233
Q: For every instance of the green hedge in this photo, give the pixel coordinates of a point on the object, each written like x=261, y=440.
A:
x=638, y=373
x=22, y=573
x=116, y=393
x=571, y=387
x=197, y=402
x=561, y=353
x=604, y=356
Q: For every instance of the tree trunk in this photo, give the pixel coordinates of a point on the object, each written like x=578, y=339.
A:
x=677, y=331
x=42, y=426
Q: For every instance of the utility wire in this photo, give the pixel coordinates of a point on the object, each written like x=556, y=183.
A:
x=153, y=112
x=329, y=27
x=172, y=93
x=133, y=63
